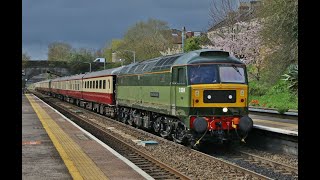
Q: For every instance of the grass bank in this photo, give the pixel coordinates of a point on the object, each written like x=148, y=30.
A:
x=277, y=96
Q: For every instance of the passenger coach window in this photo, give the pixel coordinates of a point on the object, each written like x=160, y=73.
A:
x=100, y=84
x=94, y=84
x=104, y=84
x=109, y=83
x=97, y=85
x=90, y=84
x=181, y=76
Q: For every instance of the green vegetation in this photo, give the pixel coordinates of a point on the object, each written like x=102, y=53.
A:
x=278, y=96
x=292, y=78
x=59, y=51
x=194, y=43
x=275, y=84
x=280, y=34
x=113, y=46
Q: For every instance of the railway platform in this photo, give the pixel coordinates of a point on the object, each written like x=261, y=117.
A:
x=53, y=147
x=275, y=124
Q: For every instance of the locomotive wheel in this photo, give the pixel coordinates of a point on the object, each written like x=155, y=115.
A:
x=165, y=130
x=130, y=120
x=123, y=116
x=179, y=136
x=157, y=125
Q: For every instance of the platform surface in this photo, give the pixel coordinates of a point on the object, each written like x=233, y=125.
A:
x=54, y=148
x=275, y=124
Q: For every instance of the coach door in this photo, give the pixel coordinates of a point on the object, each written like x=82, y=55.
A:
x=178, y=89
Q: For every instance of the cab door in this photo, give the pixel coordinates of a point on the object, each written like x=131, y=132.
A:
x=178, y=93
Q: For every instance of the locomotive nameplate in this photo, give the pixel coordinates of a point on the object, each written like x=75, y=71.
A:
x=154, y=94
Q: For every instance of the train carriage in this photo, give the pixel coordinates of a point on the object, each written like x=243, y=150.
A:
x=99, y=90
x=71, y=87
x=57, y=87
x=43, y=86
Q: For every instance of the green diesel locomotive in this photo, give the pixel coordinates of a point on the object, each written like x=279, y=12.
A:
x=200, y=95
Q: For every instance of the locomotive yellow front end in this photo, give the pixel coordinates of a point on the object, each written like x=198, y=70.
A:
x=219, y=101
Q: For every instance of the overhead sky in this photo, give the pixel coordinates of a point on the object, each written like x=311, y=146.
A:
x=92, y=23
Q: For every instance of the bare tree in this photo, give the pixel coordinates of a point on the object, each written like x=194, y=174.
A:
x=25, y=58
x=237, y=31
x=59, y=51
x=223, y=13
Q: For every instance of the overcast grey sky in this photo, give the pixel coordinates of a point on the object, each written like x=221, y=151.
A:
x=92, y=23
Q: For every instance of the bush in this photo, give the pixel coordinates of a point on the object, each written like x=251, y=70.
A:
x=278, y=97
x=282, y=108
x=256, y=89
x=292, y=77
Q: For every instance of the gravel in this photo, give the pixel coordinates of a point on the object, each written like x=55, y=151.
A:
x=193, y=163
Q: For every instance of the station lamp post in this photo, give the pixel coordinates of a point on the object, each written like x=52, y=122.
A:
x=88, y=63
x=122, y=60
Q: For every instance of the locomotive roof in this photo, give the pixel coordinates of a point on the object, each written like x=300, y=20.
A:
x=207, y=56
x=44, y=81
x=166, y=62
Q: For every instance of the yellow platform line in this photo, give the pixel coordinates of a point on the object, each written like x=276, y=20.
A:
x=78, y=163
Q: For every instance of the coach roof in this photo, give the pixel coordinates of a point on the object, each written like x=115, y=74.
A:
x=112, y=71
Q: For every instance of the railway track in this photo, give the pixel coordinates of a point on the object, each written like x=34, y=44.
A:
x=150, y=165
x=277, y=166
x=258, y=164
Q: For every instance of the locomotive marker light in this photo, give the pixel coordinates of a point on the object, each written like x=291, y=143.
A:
x=209, y=96
x=242, y=92
x=230, y=96
x=197, y=93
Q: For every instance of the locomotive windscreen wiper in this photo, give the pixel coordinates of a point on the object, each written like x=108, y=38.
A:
x=236, y=68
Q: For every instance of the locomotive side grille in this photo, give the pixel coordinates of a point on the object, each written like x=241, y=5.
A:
x=219, y=96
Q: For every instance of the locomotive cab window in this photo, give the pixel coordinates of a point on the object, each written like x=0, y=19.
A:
x=203, y=74
x=181, y=76
x=232, y=74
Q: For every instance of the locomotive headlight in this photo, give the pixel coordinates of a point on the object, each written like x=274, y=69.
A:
x=225, y=109
x=209, y=96
x=230, y=96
